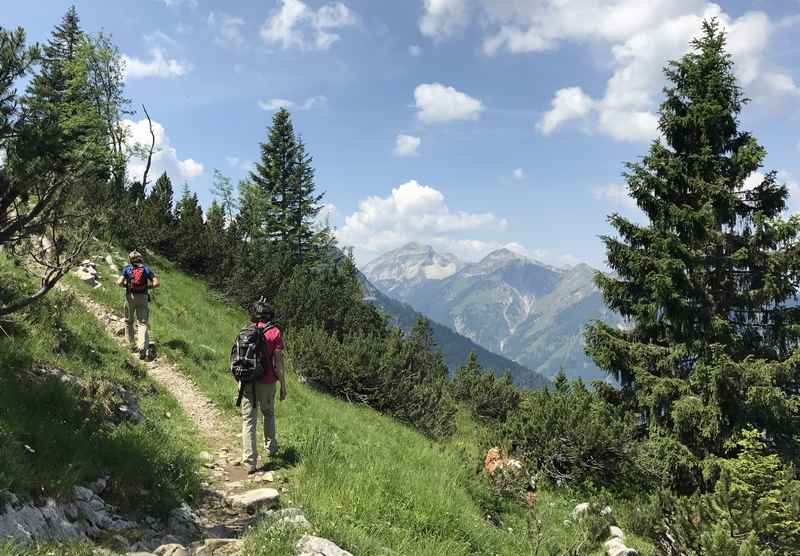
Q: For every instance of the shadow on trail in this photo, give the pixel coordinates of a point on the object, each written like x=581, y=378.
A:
x=285, y=458
x=178, y=345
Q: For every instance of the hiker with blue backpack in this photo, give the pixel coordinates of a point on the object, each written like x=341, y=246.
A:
x=137, y=279
x=256, y=363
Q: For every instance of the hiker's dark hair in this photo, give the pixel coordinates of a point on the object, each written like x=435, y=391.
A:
x=261, y=311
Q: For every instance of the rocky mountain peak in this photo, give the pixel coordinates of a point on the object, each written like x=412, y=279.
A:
x=411, y=263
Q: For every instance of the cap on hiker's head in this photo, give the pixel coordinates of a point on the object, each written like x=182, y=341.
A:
x=261, y=311
x=135, y=257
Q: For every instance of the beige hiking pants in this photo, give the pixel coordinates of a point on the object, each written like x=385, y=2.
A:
x=136, y=307
x=265, y=399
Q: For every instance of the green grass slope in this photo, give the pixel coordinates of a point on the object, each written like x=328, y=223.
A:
x=57, y=433
x=364, y=480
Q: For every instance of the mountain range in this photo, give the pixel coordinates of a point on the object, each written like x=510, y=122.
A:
x=454, y=346
x=513, y=306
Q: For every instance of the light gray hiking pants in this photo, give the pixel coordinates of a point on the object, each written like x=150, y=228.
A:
x=136, y=307
x=265, y=399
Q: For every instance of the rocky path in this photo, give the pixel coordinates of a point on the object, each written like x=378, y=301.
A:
x=231, y=500
x=215, y=430
x=230, y=497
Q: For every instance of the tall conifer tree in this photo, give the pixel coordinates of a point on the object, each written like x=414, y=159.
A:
x=304, y=205
x=191, y=237
x=708, y=282
x=285, y=176
x=159, y=218
x=274, y=174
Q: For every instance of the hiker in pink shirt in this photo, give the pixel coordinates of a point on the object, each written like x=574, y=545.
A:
x=262, y=392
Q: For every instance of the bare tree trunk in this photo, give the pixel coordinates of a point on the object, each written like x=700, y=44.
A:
x=152, y=148
x=55, y=270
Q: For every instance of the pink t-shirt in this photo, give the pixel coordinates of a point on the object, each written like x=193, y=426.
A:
x=274, y=340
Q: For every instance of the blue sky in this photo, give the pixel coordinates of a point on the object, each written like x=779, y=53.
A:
x=467, y=124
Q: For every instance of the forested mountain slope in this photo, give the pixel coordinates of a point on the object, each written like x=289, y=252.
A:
x=521, y=309
x=455, y=347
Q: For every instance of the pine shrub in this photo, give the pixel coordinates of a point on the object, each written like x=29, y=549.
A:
x=570, y=434
x=384, y=372
x=486, y=396
x=753, y=509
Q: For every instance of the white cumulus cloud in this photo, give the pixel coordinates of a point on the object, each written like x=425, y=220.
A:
x=438, y=103
x=443, y=18
x=519, y=174
x=274, y=104
x=326, y=217
x=158, y=66
x=615, y=194
x=271, y=105
x=295, y=25
x=176, y=3
x=412, y=212
x=406, y=145
x=238, y=163
x=227, y=29
x=568, y=104
x=640, y=37
x=165, y=157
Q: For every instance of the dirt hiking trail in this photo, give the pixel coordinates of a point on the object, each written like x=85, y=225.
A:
x=230, y=497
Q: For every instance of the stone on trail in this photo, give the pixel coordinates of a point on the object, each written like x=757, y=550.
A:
x=268, y=477
x=111, y=264
x=255, y=499
x=615, y=547
x=317, y=546
x=580, y=511
x=287, y=517
x=216, y=547
x=171, y=550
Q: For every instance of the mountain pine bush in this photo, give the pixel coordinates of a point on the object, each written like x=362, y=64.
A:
x=570, y=434
x=753, y=509
x=387, y=372
x=487, y=396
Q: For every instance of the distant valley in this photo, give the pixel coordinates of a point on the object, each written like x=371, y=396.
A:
x=521, y=309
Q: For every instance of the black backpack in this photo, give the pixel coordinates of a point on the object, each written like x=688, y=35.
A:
x=247, y=356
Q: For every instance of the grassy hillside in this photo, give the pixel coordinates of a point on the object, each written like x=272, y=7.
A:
x=364, y=480
x=57, y=425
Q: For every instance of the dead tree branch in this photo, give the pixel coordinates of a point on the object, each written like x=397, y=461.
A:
x=152, y=148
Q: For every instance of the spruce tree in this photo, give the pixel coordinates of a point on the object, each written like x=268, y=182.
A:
x=216, y=240
x=45, y=105
x=303, y=205
x=286, y=178
x=191, y=238
x=708, y=282
x=274, y=173
x=159, y=216
x=224, y=191
x=50, y=84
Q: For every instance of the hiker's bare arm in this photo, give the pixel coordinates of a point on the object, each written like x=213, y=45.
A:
x=155, y=282
x=121, y=281
x=278, y=360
